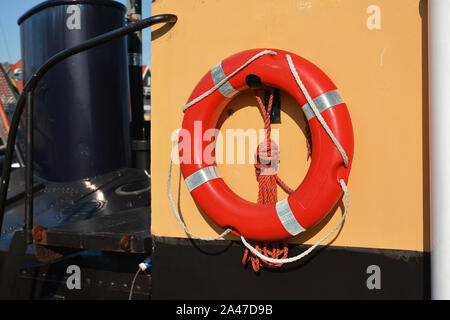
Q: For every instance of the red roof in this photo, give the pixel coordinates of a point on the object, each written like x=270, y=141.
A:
x=6, y=96
x=18, y=65
x=14, y=67
x=144, y=69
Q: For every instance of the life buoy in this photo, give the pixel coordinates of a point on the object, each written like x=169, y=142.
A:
x=320, y=190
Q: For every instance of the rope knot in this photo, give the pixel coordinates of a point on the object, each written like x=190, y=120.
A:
x=267, y=158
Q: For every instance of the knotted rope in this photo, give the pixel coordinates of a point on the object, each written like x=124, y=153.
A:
x=266, y=165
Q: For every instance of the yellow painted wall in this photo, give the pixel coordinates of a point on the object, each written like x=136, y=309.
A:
x=379, y=74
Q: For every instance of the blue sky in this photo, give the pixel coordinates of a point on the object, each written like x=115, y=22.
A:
x=11, y=10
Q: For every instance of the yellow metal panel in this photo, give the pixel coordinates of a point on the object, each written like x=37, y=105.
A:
x=376, y=64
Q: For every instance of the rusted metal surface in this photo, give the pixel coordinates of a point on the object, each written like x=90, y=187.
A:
x=39, y=234
x=125, y=243
x=128, y=231
x=49, y=253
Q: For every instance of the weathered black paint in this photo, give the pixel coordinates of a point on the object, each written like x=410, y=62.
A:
x=104, y=276
x=186, y=269
x=82, y=104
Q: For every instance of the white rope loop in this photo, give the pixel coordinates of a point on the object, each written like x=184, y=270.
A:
x=308, y=251
x=172, y=202
x=316, y=110
x=217, y=86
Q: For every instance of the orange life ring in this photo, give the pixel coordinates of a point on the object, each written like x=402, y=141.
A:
x=320, y=190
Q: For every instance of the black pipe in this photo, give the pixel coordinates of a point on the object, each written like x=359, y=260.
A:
x=139, y=128
x=134, y=13
x=32, y=83
x=29, y=169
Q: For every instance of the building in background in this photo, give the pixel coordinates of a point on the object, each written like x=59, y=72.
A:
x=8, y=86
x=8, y=99
x=16, y=74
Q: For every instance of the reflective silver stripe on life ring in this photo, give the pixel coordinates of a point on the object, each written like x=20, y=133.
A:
x=287, y=218
x=218, y=75
x=201, y=176
x=323, y=102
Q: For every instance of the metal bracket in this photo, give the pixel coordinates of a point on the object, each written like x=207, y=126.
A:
x=254, y=82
